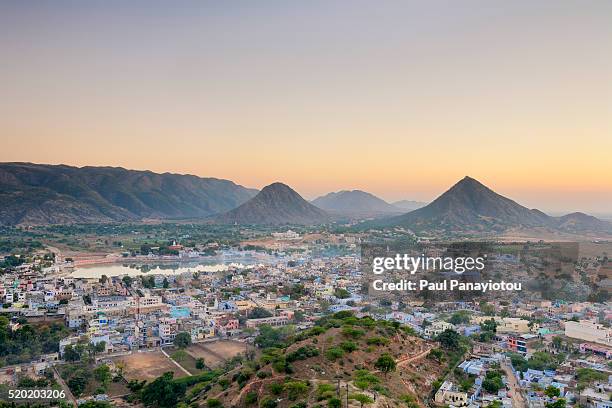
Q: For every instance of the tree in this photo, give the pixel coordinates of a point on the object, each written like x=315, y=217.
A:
x=200, y=364
x=461, y=317
x=342, y=293
x=489, y=325
x=487, y=309
x=362, y=399
x=182, y=340
x=385, y=363
x=259, y=312
x=71, y=353
x=449, y=339
x=334, y=403
x=552, y=391
x=77, y=383
x=102, y=374
x=163, y=392
x=493, y=381
x=127, y=280
x=560, y=403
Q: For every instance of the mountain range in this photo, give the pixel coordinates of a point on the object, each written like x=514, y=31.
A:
x=56, y=194
x=35, y=194
x=275, y=204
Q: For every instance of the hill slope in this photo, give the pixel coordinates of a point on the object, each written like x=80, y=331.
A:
x=275, y=204
x=471, y=206
x=408, y=205
x=354, y=202
x=49, y=194
x=307, y=370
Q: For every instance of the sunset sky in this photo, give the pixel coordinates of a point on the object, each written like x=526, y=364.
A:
x=398, y=98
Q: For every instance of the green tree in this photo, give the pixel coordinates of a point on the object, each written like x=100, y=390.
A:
x=362, y=399
x=385, y=363
x=77, y=383
x=127, y=281
x=449, y=339
x=182, y=340
x=200, y=364
x=102, y=374
x=334, y=403
x=552, y=392
x=259, y=313
x=560, y=403
x=163, y=392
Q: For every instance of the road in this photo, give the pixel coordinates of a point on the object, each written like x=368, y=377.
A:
x=518, y=400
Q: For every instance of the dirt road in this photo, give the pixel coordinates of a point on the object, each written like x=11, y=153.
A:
x=517, y=396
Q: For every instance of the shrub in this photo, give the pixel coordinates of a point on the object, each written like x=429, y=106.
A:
x=348, y=346
x=377, y=341
x=334, y=353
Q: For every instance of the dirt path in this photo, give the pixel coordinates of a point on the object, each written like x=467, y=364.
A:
x=404, y=361
x=64, y=386
x=517, y=396
x=175, y=363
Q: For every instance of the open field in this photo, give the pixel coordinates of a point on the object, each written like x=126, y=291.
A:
x=216, y=353
x=147, y=366
x=185, y=359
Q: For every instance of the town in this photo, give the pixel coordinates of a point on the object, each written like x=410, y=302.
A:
x=205, y=307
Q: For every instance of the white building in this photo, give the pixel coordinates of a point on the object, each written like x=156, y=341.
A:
x=589, y=331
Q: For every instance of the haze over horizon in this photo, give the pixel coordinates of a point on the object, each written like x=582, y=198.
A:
x=400, y=100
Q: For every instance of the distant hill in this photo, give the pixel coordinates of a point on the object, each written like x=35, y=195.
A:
x=580, y=222
x=275, y=204
x=354, y=202
x=408, y=205
x=48, y=194
x=470, y=206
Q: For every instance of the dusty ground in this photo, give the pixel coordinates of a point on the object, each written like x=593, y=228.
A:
x=216, y=353
x=147, y=366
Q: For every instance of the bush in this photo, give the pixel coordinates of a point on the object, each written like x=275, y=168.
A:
x=334, y=353
x=334, y=403
x=276, y=388
x=377, y=341
x=303, y=353
x=213, y=403
x=348, y=346
x=250, y=398
x=268, y=403
x=352, y=332
x=296, y=389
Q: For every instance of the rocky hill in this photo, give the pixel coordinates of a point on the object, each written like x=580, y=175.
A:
x=469, y=206
x=343, y=356
x=275, y=204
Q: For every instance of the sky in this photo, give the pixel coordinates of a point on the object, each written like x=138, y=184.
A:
x=398, y=98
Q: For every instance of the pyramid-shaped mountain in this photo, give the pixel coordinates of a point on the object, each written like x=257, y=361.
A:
x=471, y=206
x=275, y=204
